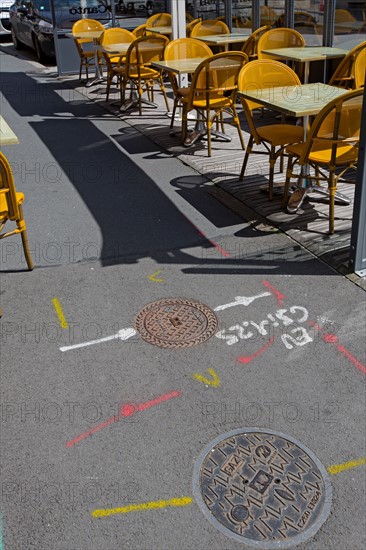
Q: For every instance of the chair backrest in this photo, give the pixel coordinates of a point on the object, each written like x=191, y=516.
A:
x=84, y=25
x=343, y=76
x=209, y=27
x=115, y=36
x=7, y=187
x=216, y=75
x=186, y=48
x=144, y=50
x=159, y=20
x=360, y=69
x=336, y=128
x=279, y=38
x=267, y=15
x=251, y=43
x=341, y=15
x=264, y=73
x=139, y=31
x=190, y=26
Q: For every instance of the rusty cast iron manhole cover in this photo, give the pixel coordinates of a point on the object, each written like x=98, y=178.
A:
x=176, y=323
x=262, y=488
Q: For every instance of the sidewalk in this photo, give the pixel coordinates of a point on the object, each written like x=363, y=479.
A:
x=101, y=440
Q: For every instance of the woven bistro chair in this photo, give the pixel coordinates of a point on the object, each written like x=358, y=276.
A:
x=331, y=147
x=213, y=92
x=275, y=137
x=110, y=37
x=344, y=75
x=11, y=207
x=86, y=56
x=251, y=44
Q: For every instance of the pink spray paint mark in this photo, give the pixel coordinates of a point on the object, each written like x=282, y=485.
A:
x=248, y=358
x=279, y=296
x=222, y=251
x=352, y=358
x=333, y=339
x=125, y=411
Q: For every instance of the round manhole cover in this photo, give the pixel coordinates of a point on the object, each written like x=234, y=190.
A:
x=262, y=488
x=176, y=323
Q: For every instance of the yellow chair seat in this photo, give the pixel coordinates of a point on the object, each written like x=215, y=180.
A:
x=321, y=153
x=145, y=72
x=88, y=54
x=183, y=92
x=281, y=134
x=216, y=101
x=4, y=204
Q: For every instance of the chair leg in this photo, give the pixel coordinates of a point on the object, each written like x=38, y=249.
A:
x=237, y=122
x=209, y=126
x=272, y=162
x=175, y=105
x=246, y=156
x=288, y=180
x=162, y=87
x=21, y=225
x=81, y=68
x=332, y=190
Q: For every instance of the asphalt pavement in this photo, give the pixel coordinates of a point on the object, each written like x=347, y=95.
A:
x=101, y=429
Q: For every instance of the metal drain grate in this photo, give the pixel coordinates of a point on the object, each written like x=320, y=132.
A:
x=176, y=323
x=262, y=488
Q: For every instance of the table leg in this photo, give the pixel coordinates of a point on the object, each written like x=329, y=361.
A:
x=98, y=77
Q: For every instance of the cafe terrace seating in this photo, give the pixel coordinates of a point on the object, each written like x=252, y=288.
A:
x=331, y=147
x=213, y=90
x=11, y=207
x=264, y=74
x=209, y=27
x=278, y=38
x=360, y=69
x=344, y=75
x=136, y=73
x=86, y=56
x=183, y=48
x=159, y=20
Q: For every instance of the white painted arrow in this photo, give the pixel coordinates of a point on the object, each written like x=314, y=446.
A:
x=123, y=334
x=242, y=301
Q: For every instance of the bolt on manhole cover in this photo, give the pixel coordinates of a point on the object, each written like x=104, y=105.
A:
x=262, y=488
x=176, y=323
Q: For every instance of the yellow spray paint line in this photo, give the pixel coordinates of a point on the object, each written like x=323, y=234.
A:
x=60, y=313
x=184, y=501
x=337, y=468
x=215, y=382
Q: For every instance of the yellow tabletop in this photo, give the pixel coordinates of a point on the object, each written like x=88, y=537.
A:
x=179, y=66
x=220, y=39
x=166, y=29
x=306, y=53
x=297, y=101
x=118, y=48
x=92, y=35
x=7, y=136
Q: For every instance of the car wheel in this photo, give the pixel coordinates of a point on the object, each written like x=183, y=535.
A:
x=41, y=57
x=17, y=44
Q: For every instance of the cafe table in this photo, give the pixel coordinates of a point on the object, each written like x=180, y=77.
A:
x=305, y=55
x=93, y=36
x=166, y=30
x=225, y=39
x=7, y=136
x=300, y=101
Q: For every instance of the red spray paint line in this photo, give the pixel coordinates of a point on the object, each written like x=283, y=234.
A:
x=248, y=358
x=279, y=296
x=125, y=410
x=333, y=339
x=222, y=251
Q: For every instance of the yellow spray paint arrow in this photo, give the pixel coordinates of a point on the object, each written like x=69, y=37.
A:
x=152, y=277
x=214, y=383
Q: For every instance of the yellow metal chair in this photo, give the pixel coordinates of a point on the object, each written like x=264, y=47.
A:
x=137, y=70
x=86, y=56
x=159, y=20
x=190, y=26
x=275, y=137
x=213, y=90
x=139, y=31
x=360, y=69
x=114, y=36
x=11, y=207
x=251, y=43
x=278, y=38
x=344, y=76
x=331, y=147
x=209, y=27
x=183, y=48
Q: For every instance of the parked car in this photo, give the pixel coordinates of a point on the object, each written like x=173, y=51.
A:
x=4, y=16
x=31, y=22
